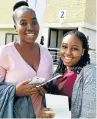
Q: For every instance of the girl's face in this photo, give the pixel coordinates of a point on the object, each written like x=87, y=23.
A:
x=71, y=51
x=27, y=25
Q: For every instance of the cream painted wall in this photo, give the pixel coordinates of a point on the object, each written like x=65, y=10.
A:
x=75, y=10
x=6, y=7
x=90, y=12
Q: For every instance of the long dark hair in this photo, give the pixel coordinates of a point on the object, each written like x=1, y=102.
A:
x=84, y=60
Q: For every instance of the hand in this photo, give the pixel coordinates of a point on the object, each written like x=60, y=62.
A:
x=41, y=90
x=25, y=89
x=46, y=113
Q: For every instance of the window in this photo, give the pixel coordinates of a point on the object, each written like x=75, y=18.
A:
x=11, y=37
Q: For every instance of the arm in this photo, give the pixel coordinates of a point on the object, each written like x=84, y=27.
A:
x=3, y=62
x=51, y=87
x=88, y=109
x=2, y=73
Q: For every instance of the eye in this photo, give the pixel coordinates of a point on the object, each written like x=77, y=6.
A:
x=75, y=49
x=64, y=46
x=23, y=23
x=34, y=22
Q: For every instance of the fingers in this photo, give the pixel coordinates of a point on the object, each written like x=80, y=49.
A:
x=25, y=82
x=46, y=113
x=41, y=90
x=24, y=88
x=33, y=90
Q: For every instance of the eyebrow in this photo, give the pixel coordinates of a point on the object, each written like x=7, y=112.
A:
x=33, y=19
x=25, y=20
x=72, y=45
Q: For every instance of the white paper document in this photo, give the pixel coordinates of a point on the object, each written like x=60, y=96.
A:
x=37, y=80
x=59, y=104
x=50, y=79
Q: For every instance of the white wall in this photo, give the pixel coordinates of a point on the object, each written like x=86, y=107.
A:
x=2, y=38
x=92, y=36
x=45, y=33
x=92, y=43
x=39, y=6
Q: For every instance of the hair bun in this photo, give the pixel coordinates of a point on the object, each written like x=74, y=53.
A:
x=19, y=4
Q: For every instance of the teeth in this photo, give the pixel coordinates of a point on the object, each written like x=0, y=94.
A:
x=31, y=34
x=68, y=58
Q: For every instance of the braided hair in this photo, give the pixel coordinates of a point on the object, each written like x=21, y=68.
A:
x=84, y=60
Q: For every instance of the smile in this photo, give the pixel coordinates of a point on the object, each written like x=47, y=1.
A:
x=30, y=34
x=68, y=59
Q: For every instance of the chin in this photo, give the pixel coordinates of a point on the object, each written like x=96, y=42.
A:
x=31, y=40
x=67, y=64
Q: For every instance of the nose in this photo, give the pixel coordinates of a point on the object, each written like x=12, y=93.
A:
x=68, y=51
x=29, y=27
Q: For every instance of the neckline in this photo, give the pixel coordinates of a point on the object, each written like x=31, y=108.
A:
x=68, y=73
x=20, y=57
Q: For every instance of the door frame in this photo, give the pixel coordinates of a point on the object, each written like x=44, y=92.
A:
x=49, y=41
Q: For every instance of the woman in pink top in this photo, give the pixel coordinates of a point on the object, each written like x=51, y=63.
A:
x=22, y=61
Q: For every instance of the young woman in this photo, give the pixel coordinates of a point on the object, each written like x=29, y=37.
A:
x=78, y=80
x=23, y=60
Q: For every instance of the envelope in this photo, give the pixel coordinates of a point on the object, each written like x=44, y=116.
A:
x=59, y=104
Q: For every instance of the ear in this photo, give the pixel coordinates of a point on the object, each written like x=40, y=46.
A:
x=14, y=26
x=83, y=52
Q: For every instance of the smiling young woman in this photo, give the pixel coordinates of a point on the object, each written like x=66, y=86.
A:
x=25, y=59
x=78, y=80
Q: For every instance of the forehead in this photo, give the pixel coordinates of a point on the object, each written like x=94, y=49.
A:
x=24, y=12
x=72, y=40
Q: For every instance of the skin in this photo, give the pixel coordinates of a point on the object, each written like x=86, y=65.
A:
x=50, y=114
x=27, y=27
x=71, y=50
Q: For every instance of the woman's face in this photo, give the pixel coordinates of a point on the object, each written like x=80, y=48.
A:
x=27, y=25
x=71, y=50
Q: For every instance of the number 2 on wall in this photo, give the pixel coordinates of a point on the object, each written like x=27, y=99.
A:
x=62, y=14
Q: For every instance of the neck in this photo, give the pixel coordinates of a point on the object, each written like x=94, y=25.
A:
x=26, y=46
x=69, y=68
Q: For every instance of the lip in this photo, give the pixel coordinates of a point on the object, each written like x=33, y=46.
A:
x=68, y=58
x=30, y=33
